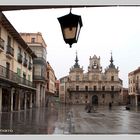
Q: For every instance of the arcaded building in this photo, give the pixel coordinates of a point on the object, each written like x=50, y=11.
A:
x=16, y=69
x=94, y=86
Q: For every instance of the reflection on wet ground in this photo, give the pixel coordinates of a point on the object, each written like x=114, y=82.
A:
x=71, y=119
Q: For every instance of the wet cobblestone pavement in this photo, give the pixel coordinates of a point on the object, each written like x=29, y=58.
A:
x=71, y=119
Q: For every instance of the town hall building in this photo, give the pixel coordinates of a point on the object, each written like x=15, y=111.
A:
x=94, y=86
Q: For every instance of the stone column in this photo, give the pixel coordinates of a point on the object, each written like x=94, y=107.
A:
x=43, y=96
x=25, y=101
x=38, y=95
x=31, y=100
x=18, y=100
x=0, y=119
x=30, y=115
x=18, y=116
x=11, y=120
x=12, y=92
x=0, y=99
x=136, y=100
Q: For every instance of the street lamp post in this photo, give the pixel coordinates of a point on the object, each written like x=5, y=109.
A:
x=70, y=26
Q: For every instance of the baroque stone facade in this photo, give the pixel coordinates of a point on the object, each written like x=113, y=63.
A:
x=94, y=86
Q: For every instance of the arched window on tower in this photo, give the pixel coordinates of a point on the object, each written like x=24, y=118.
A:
x=112, y=78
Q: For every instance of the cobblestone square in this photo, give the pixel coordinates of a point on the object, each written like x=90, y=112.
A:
x=71, y=119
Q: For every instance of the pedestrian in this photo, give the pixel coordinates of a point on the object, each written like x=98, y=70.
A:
x=127, y=107
x=110, y=105
x=87, y=105
x=89, y=108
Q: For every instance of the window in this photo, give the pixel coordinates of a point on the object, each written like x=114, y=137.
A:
x=19, y=50
x=85, y=77
x=32, y=40
x=29, y=77
x=133, y=80
x=37, y=70
x=94, y=88
x=18, y=72
x=24, y=55
x=133, y=89
x=86, y=96
x=29, y=59
x=9, y=40
x=0, y=32
x=77, y=96
x=112, y=78
x=86, y=88
x=112, y=95
x=103, y=88
x=103, y=95
x=24, y=75
x=77, y=88
x=112, y=88
x=77, y=77
x=7, y=69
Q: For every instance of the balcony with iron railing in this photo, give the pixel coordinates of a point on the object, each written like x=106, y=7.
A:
x=1, y=44
x=25, y=62
x=19, y=58
x=10, y=51
x=93, y=90
x=8, y=75
x=23, y=81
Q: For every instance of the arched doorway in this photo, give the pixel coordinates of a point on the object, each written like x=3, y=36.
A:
x=94, y=100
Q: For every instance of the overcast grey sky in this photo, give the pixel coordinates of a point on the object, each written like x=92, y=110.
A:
x=105, y=29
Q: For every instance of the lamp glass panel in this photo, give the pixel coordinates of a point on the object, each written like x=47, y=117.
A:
x=69, y=33
x=78, y=31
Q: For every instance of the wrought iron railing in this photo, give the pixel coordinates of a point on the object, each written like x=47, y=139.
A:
x=1, y=43
x=24, y=81
x=13, y=77
x=10, y=50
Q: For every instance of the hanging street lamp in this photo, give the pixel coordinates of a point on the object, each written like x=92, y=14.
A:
x=70, y=26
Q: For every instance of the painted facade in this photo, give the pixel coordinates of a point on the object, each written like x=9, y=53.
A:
x=16, y=69
x=51, y=80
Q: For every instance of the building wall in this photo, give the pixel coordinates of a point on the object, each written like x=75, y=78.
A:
x=134, y=87
x=14, y=64
x=51, y=79
x=36, y=42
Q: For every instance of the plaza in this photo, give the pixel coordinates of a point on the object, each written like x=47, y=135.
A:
x=61, y=119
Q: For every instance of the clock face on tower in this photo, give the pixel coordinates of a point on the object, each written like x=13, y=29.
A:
x=94, y=66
